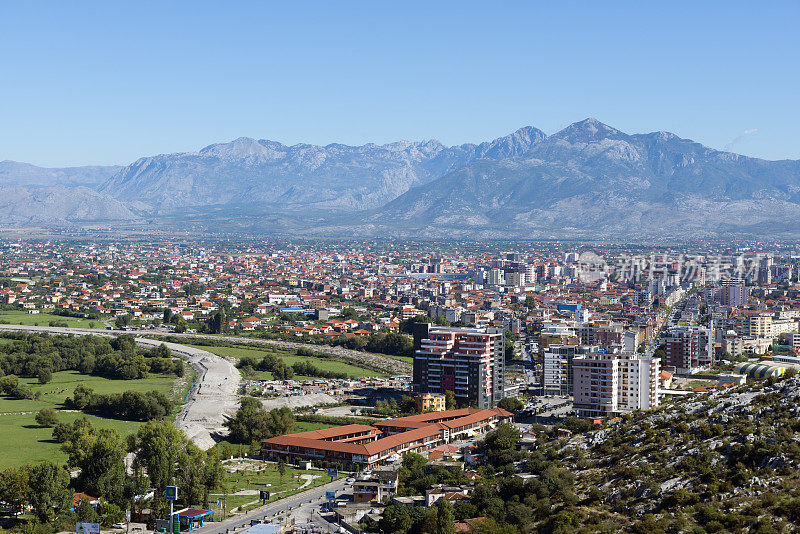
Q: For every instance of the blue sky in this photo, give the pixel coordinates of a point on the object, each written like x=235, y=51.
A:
x=108, y=82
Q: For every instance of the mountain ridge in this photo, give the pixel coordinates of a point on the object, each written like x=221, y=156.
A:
x=588, y=180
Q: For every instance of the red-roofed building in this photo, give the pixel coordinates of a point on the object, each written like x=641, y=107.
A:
x=360, y=447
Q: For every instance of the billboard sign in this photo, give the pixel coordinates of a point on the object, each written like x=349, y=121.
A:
x=172, y=493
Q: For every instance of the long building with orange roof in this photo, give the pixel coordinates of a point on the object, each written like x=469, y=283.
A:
x=358, y=447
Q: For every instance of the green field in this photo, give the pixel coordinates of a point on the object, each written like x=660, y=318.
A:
x=290, y=358
x=22, y=440
x=43, y=319
x=259, y=476
x=305, y=426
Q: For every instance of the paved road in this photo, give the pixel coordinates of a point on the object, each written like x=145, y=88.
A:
x=267, y=512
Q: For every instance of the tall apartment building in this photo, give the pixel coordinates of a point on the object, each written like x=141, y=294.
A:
x=761, y=325
x=607, y=384
x=557, y=361
x=468, y=361
x=689, y=348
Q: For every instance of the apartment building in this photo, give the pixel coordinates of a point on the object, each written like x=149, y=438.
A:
x=689, y=348
x=557, y=361
x=432, y=402
x=608, y=384
x=468, y=361
x=769, y=325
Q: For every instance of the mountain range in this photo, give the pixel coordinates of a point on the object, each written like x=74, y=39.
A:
x=588, y=181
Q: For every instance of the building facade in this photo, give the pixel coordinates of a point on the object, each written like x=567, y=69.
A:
x=557, y=375
x=609, y=384
x=360, y=447
x=689, y=348
x=468, y=361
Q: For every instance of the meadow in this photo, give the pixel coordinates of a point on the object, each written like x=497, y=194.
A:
x=22, y=440
x=43, y=319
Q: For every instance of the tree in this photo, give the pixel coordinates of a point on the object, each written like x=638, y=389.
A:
x=47, y=417
x=86, y=512
x=157, y=446
x=14, y=488
x=180, y=325
x=281, y=467
x=44, y=375
x=348, y=313
x=253, y=423
x=167, y=315
x=99, y=454
x=512, y=404
x=49, y=490
x=445, y=519
x=449, y=400
x=502, y=438
x=395, y=519
x=122, y=321
x=217, y=322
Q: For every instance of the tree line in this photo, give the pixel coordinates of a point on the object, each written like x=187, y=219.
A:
x=281, y=371
x=41, y=355
x=128, y=405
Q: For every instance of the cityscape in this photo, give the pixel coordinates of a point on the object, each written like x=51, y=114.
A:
x=370, y=380
x=355, y=267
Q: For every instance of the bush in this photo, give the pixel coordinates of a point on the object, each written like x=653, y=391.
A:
x=47, y=417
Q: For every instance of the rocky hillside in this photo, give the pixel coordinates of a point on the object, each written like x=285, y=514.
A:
x=720, y=462
x=14, y=173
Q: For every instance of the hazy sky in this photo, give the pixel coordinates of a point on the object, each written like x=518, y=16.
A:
x=108, y=82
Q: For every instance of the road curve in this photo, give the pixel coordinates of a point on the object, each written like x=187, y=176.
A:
x=212, y=398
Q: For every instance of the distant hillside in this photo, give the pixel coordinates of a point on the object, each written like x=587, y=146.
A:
x=14, y=173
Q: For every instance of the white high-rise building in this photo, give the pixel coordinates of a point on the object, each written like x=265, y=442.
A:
x=530, y=274
x=496, y=277
x=609, y=384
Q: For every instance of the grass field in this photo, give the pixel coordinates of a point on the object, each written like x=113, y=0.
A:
x=289, y=358
x=22, y=440
x=305, y=426
x=43, y=319
x=258, y=476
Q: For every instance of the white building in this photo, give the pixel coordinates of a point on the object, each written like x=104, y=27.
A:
x=609, y=384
